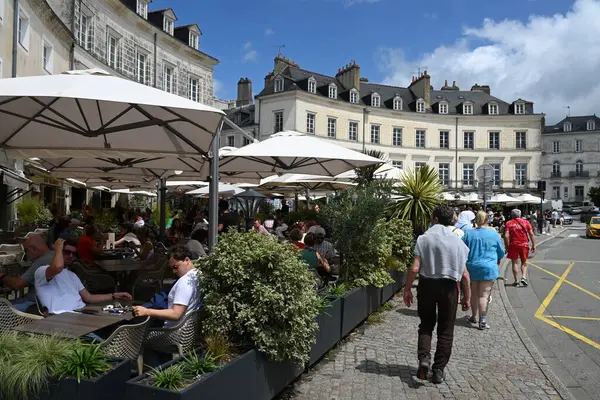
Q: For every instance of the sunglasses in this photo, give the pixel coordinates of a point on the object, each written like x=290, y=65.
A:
x=69, y=253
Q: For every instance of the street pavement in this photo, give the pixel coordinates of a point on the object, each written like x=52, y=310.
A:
x=560, y=310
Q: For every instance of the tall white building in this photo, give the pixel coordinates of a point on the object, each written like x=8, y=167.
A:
x=571, y=158
x=453, y=130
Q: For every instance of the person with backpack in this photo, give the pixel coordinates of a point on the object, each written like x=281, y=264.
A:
x=517, y=234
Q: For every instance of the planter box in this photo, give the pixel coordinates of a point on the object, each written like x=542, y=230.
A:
x=373, y=299
x=387, y=292
x=354, y=309
x=329, y=334
x=398, y=278
x=250, y=377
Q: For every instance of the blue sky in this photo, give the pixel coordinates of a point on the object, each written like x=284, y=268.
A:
x=322, y=35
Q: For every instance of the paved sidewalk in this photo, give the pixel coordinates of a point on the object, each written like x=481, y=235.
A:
x=379, y=362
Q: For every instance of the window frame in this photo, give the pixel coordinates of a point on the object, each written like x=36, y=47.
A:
x=173, y=78
x=420, y=107
x=229, y=140
x=397, y=103
x=521, y=145
x=85, y=37
x=331, y=122
x=556, y=168
x=495, y=107
x=443, y=108
x=398, y=164
x=556, y=192
x=397, y=136
x=556, y=146
x=523, y=180
x=278, y=121
x=578, y=146
x=445, y=139
x=142, y=8
x=194, y=40
x=117, y=55
x=444, y=167
x=190, y=86
x=354, y=95
x=146, y=74
x=472, y=136
x=467, y=108
x=332, y=91
x=375, y=133
x=591, y=125
x=468, y=167
x=497, y=179
x=579, y=166
x=375, y=100
x=168, y=25
x=50, y=62
x=350, y=129
x=23, y=38
x=312, y=85
x=519, y=108
x=278, y=85
x=311, y=123
x=494, y=140
x=419, y=132
x=567, y=127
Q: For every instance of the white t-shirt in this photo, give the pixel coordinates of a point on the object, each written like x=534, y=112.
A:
x=61, y=293
x=195, y=247
x=132, y=237
x=184, y=293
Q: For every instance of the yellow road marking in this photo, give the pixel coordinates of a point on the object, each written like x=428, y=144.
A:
x=566, y=281
x=572, y=317
x=539, y=314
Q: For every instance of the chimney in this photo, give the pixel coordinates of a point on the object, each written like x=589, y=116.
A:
x=349, y=76
x=268, y=78
x=282, y=63
x=244, y=92
x=421, y=87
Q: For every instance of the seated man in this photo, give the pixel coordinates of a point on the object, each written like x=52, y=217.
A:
x=183, y=297
x=59, y=289
x=86, y=247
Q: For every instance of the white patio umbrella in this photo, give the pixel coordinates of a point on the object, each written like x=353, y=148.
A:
x=140, y=192
x=447, y=196
x=501, y=198
x=224, y=188
x=303, y=181
x=294, y=152
x=527, y=198
x=386, y=172
x=470, y=198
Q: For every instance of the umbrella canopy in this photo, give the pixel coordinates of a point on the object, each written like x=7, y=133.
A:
x=96, y=113
x=303, y=181
x=470, y=198
x=528, y=199
x=140, y=192
x=502, y=198
x=446, y=196
x=224, y=188
x=294, y=152
x=386, y=172
x=114, y=182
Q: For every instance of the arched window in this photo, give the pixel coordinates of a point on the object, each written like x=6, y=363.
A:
x=579, y=166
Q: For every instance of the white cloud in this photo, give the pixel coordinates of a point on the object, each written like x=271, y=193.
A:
x=350, y=3
x=550, y=60
x=249, y=53
x=269, y=32
x=247, y=45
x=217, y=88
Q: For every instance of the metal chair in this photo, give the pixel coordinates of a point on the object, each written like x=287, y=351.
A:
x=183, y=335
x=15, y=250
x=10, y=317
x=153, y=276
x=126, y=343
x=13, y=270
x=93, y=281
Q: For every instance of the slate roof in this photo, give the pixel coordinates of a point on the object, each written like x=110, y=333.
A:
x=578, y=124
x=242, y=116
x=297, y=79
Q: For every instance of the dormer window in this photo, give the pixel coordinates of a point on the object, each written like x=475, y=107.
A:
x=312, y=85
x=168, y=25
x=278, y=84
x=142, y=8
x=398, y=103
x=467, y=109
x=420, y=106
x=567, y=127
x=375, y=100
x=443, y=108
x=354, y=96
x=519, y=108
x=493, y=109
x=332, y=91
x=591, y=125
x=194, y=40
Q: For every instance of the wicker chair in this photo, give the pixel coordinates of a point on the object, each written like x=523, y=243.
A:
x=13, y=270
x=93, y=281
x=183, y=335
x=153, y=276
x=10, y=317
x=126, y=343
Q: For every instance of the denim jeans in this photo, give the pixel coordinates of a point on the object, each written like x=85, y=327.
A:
x=22, y=304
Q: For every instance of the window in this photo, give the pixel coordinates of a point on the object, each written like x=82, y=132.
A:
x=354, y=96
x=493, y=109
x=555, y=169
x=567, y=127
x=521, y=140
x=420, y=138
x=520, y=174
x=578, y=146
x=375, y=133
x=556, y=192
x=467, y=108
x=397, y=137
x=444, y=173
x=419, y=165
x=331, y=124
x=353, y=131
x=375, y=100
x=468, y=174
x=444, y=140
x=332, y=91
x=566, y=191
x=112, y=52
x=47, y=57
x=194, y=40
x=556, y=147
x=310, y=123
x=468, y=140
x=85, y=31
x=194, y=89
x=397, y=103
x=23, y=29
x=168, y=25
x=312, y=85
x=420, y=106
x=496, y=178
x=591, y=125
x=519, y=108
x=169, y=79
x=231, y=141
x=278, y=84
x=397, y=164
x=279, y=122
x=579, y=167
x=443, y=108
x=142, y=8
x=494, y=140
x=140, y=68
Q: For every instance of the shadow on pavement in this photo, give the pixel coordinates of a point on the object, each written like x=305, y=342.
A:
x=411, y=312
x=406, y=373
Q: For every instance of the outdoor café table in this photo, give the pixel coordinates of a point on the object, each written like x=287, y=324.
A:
x=114, y=254
x=120, y=268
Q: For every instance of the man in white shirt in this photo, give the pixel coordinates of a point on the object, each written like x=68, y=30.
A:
x=59, y=289
x=184, y=295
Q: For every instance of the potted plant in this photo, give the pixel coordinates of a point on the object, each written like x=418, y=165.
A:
x=32, y=213
x=402, y=254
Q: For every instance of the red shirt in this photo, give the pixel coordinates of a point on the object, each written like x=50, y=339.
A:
x=299, y=244
x=518, y=229
x=83, y=248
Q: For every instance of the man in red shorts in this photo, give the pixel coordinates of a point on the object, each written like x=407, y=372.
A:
x=517, y=234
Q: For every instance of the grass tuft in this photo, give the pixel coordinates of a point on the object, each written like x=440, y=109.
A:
x=171, y=378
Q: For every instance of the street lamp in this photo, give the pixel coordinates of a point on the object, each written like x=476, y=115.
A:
x=250, y=201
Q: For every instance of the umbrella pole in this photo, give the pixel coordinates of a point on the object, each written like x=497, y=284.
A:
x=213, y=195
x=162, y=209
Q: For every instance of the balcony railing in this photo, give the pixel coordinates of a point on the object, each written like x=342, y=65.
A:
x=579, y=174
x=557, y=174
x=501, y=185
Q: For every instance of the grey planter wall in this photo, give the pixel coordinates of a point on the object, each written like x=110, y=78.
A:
x=329, y=333
x=354, y=309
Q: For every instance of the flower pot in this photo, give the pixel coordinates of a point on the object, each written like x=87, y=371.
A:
x=250, y=377
x=387, y=292
x=373, y=299
x=354, y=309
x=329, y=334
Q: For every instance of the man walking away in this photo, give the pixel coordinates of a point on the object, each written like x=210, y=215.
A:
x=440, y=259
x=554, y=218
x=517, y=234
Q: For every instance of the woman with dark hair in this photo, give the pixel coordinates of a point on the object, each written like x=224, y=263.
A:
x=175, y=232
x=296, y=237
x=147, y=249
x=128, y=236
x=314, y=259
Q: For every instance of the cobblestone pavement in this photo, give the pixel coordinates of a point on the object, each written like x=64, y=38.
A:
x=379, y=362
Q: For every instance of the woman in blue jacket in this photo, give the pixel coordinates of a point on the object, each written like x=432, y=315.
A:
x=485, y=253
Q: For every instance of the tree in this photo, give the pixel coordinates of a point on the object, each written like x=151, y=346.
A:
x=366, y=175
x=594, y=195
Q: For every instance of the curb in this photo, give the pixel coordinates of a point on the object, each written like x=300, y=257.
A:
x=533, y=351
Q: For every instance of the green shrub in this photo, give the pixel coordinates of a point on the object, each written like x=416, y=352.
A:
x=258, y=292
x=32, y=212
x=106, y=220
x=171, y=378
x=402, y=244
x=156, y=213
x=85, y=361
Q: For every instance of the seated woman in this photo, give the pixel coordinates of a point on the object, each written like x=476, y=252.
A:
x=296, y=238
x=175, y=232
x=314, y=259
x=87, y=248
x=147, y=248
x=127, y=236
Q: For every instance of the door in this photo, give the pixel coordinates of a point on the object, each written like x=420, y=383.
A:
x=579, y=195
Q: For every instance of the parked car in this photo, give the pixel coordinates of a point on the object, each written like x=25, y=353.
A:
x=568, y=220
x=572, y=209
x=593, y=228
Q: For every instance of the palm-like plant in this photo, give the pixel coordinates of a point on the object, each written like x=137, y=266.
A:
x=366, y=175
x=419, y=194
